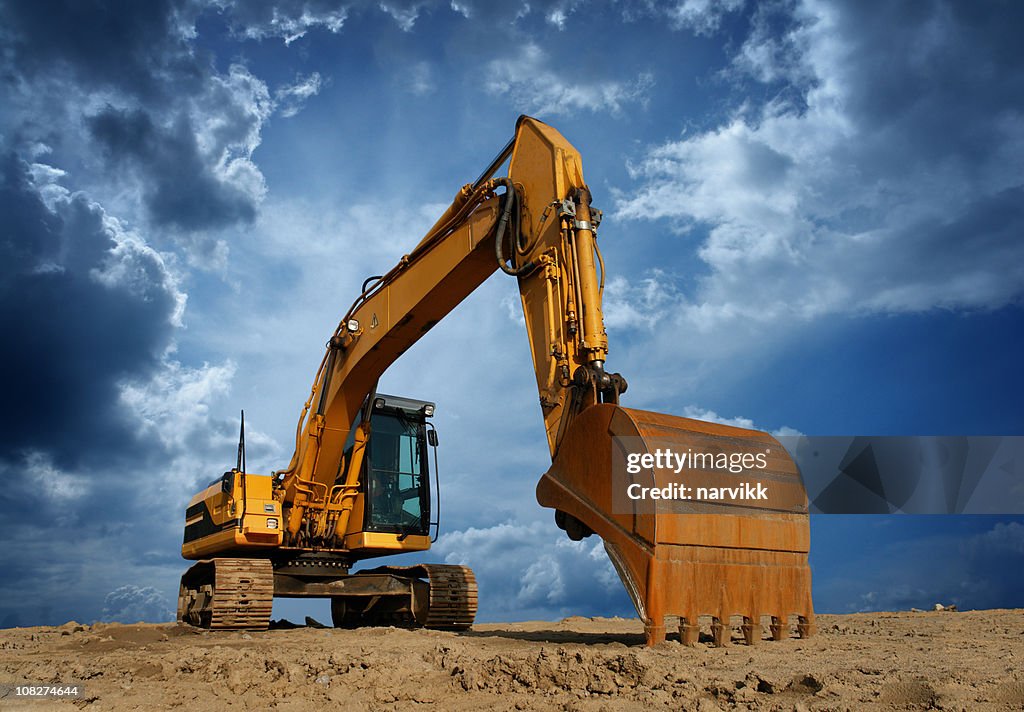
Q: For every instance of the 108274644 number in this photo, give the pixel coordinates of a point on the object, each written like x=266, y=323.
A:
x=8, y=691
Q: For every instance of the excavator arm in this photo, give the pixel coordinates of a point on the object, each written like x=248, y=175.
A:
x=536, y=224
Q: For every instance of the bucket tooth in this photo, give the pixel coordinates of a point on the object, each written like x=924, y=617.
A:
x=689, y=633
x=806, y=627
x=779, y=627
x=688, y=557
x=719, y=632
x=655, y=633
x=751, y=629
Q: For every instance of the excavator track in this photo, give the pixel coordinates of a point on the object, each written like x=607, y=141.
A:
x=453, y=597
x=440, y=597
x=227, y=594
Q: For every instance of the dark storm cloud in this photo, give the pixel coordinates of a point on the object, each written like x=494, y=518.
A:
x=180, y=188
x=952, y=50
x=59, y=568
x=173, y=124
x=924, y=81
x=81, y=308
x=72, y=460
x=87, y=307
x=131, y=46
x=932, y=80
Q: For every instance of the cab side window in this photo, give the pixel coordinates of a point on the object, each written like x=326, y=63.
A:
x=397, y=469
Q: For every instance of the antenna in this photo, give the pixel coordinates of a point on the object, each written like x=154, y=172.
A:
x=240, y=466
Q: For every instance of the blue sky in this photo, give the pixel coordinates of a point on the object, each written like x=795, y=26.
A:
x=813, y=220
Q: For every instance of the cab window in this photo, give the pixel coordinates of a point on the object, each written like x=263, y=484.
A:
x=397, y=474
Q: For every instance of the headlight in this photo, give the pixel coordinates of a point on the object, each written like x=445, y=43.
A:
x=353, y=325
x=272, y=523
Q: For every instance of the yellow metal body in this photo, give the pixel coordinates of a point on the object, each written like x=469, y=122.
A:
x=542, y=229
x=234, y=519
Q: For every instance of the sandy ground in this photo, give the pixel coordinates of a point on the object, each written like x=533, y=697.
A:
x=969, y=660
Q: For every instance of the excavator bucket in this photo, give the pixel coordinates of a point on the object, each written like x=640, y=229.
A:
x=734, y=544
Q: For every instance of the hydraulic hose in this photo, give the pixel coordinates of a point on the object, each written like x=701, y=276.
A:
x=511, y=199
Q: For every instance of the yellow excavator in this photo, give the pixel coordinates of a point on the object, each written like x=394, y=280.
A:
x=358, y=485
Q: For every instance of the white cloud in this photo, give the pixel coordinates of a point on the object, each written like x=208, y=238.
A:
x=230, y=112
x=291, y=98
x=59, y=486
x=131, y=604
x=175, y=403
x=420, y=79
x=533, y=569
x=127, y=263
x=229, y=118
x=558, y=13
x=851, y=199
x=404, y=13
x=697, y=413
x=488, y=11
x=531, y=81
x=179, y=407
x=513, y=305
x=703, y=17
x=463, y=8
x=1005, y=539
x=771, y=54
x=645, y=303
x=257, y=21
x=291, y=20
x=137, y=267
x=184, y=171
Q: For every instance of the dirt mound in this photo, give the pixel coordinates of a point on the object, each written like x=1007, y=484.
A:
x=964, y=660
x=545, y=671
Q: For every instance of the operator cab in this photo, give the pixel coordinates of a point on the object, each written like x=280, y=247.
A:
x=396, y=473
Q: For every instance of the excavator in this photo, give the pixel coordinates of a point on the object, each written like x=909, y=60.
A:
x=358, y=485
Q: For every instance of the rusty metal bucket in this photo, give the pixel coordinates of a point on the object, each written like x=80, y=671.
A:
x=688, y=557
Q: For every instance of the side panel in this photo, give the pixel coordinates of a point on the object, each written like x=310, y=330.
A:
x=216, y=521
